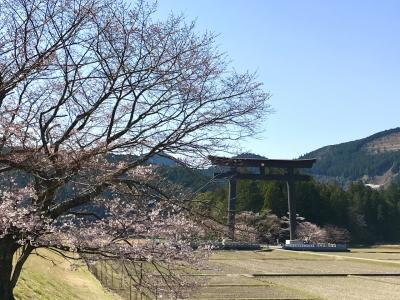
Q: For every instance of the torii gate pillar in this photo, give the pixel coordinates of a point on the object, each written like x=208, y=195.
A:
x=291, y=204
x=232, y=207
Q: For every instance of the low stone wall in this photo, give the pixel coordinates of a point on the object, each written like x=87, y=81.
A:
x=319, y=247
x=231, y=245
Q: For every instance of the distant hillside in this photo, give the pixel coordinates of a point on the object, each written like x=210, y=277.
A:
x=249, y=155
x=197, y=179
x=374, y=160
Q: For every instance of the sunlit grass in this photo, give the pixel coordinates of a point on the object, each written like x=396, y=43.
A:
x=228, y=275
x=54, y=279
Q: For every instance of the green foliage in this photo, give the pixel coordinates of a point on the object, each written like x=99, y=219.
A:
x=249, y=196
x=370, y=215
x=190, y=178
x=275, y=197
x=212, y=204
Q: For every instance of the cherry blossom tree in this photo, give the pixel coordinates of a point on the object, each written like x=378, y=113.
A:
x=312, y=233
x=83, y=81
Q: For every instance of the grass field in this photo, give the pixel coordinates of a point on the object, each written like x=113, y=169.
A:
x=363, y=273
x=368, y=273
x=58, y=279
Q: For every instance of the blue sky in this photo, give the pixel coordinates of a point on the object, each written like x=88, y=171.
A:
x=332, y=67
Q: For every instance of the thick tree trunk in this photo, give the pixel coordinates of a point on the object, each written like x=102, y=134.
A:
x=7, y=250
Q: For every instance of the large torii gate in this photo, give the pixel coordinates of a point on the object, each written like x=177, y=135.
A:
x=263, y=167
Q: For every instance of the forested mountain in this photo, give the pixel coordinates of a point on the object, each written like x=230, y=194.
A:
x=375, y=160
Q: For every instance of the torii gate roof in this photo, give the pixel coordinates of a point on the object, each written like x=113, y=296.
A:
x=261, y=162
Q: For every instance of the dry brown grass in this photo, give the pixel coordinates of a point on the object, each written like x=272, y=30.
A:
x=230, y=275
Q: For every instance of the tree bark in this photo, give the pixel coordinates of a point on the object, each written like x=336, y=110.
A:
x=7, y=250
